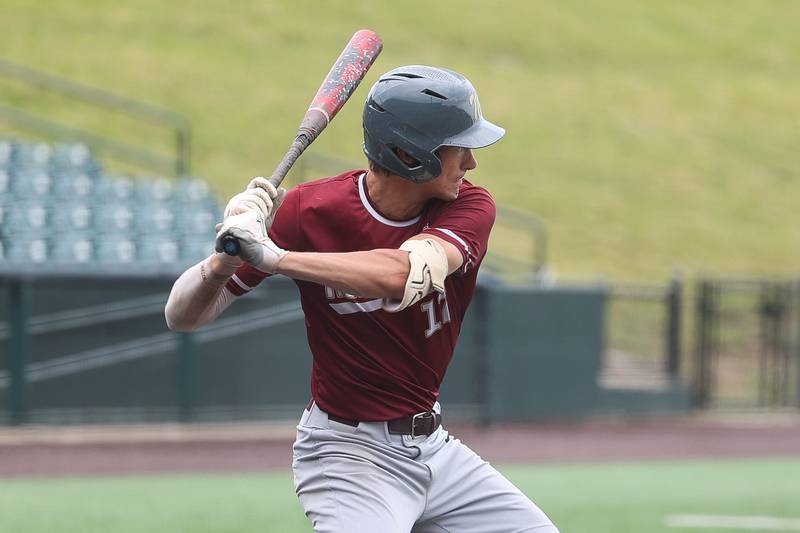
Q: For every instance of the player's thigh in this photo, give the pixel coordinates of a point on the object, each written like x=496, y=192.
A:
x=343, y=494
x=468, y=495
x=506, y=515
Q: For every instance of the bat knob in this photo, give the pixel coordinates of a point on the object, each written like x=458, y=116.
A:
x=230, y=245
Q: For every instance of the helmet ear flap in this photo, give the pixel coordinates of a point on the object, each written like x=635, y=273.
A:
x=407, y=159
x=418, y=165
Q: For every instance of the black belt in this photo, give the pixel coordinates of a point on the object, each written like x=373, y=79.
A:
x=418, y=425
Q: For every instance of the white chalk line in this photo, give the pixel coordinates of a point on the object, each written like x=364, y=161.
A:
x=708, y=521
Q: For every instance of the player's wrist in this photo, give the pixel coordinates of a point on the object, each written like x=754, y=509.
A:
x=284, y=259
x=264, y=255
x=221, y=266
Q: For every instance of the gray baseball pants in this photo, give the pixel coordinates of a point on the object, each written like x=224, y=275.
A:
x=365, y=480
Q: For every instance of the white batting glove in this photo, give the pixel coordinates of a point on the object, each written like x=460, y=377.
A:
x=255, y=246
x=260, y=195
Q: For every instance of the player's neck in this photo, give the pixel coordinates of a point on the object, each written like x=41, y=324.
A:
x=394, y=197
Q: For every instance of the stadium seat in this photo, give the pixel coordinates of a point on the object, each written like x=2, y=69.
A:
x=73, y=159
x=154, y=190
x=194, y=192
x=30, y=184
x=71, y=249
x=6, y=153
x=31, y=157
x=24, y=218
x=5, y=182
x=114, y=189
x=57, y=205
x=71, y=217
x=111, y=250
x=158, y=249
x=70, y=186
x=114, y=218
x=25, y=250
x=199, y=222
x=155, y=218
x=193, y=250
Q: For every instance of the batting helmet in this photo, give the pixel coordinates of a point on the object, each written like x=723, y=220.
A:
x=419, y=109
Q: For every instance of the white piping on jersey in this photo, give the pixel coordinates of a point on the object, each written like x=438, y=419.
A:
x=241, y=283
x=362, y=192
x=348, y=308
x=453, y=235
x=463, y=243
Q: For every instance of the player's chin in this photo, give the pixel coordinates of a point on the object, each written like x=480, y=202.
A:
x=448, y=196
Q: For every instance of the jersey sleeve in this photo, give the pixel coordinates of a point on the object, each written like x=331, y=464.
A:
x=285, y=232
x=466, y=223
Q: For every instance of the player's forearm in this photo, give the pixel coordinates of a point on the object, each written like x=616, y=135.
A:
x=199, y=296
x=378, y=273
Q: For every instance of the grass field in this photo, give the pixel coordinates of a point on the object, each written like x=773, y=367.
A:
x=607, y=498
x=651, y=137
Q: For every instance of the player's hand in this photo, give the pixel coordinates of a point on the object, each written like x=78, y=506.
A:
x=260, y=195
x=255, y=246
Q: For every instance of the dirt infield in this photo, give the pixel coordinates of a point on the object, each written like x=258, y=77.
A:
x=108, y=450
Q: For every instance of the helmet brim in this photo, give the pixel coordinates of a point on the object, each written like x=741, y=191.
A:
x=481, y=134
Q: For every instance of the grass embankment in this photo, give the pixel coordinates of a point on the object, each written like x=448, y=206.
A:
x=649, y=136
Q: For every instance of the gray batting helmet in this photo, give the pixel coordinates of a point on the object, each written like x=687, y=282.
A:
x=419, y=109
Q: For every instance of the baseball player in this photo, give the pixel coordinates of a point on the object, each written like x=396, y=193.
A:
x=386, y=261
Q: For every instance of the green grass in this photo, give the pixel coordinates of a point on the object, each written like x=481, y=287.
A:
x=611, y=498
x=650, y=136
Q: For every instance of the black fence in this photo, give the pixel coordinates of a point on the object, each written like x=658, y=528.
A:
x=643, y=337
x=747, y=347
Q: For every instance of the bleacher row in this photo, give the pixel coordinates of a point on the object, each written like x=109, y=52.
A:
x=58, y=206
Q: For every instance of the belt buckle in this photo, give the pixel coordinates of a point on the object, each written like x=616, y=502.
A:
x=414, y=418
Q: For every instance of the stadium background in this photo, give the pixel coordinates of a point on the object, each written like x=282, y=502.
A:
x=651, y=163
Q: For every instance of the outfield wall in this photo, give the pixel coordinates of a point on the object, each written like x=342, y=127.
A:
x=98, y=350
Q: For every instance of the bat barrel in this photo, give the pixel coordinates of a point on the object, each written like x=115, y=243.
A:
x=343, y=78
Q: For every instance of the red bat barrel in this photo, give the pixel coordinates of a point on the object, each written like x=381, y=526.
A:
x=348, y=71
x=343, y=78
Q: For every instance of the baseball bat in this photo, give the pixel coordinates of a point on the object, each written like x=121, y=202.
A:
x=343, y=78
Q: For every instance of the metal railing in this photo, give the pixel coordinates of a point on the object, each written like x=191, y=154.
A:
x=179, y=163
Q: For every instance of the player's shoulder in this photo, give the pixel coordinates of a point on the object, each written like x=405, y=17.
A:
x=472, y=197
x=473, y=202
x=324, y=191
x=344, y=180
x=474, y=193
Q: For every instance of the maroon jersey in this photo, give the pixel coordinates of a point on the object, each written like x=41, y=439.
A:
x=370, y=364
